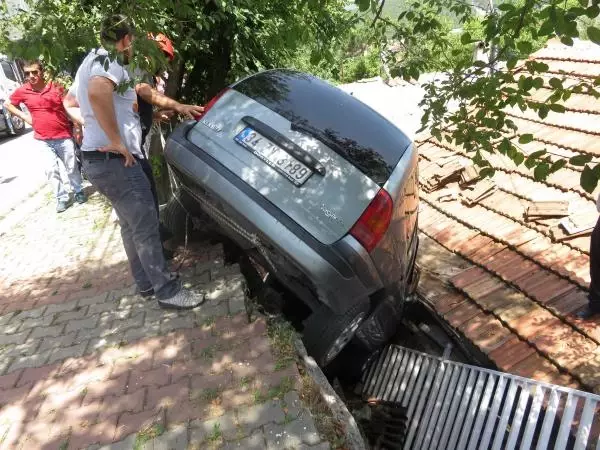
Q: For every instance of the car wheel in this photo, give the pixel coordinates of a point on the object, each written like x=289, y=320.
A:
x=173, y=217
x=18, y=124
x=326, y=334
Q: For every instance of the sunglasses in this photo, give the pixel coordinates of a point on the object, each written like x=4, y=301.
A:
x=31, y=72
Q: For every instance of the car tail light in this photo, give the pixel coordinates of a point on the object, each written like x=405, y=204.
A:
x=211, y=103
x=374, y=221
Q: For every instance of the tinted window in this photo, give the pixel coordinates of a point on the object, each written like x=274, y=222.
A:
x=349, y=127
x=8, y=70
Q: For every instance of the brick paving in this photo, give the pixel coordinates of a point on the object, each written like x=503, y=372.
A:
x=87, y=364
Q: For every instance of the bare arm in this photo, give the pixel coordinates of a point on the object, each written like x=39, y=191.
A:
x=100, y=92
x=152, y=96
x=17, y=112
x=72, y=107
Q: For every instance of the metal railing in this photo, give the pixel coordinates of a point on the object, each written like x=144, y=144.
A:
x=450, y=405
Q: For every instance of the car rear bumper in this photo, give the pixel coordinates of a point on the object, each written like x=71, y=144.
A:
x=247, y=216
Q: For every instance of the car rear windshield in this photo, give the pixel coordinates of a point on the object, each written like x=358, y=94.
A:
x=349, y=127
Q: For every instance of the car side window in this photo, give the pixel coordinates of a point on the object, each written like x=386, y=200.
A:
x=8, y=71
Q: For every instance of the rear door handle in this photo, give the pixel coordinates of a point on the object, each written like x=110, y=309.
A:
x=286, y=144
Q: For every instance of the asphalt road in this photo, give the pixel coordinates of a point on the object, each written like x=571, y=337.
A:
x=21, y=170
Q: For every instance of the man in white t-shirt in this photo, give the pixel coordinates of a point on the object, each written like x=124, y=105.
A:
x=111, y=149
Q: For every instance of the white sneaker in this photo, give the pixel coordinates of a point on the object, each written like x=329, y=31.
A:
x=184, y=299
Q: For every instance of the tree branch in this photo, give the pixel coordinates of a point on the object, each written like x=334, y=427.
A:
x=378, y=13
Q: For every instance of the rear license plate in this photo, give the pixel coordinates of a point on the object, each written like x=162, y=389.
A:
x=274, y=156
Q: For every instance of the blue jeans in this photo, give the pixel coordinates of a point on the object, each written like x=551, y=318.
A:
x=128, y=190
x=62, y=162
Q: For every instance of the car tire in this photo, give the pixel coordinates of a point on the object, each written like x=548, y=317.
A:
x=173, y=218
x=326, y=334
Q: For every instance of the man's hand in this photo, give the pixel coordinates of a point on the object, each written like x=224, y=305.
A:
x=189, y=111
x=163, y=115
x=119, y=148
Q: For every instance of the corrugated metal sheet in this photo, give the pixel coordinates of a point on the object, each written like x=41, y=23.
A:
x=457, y=406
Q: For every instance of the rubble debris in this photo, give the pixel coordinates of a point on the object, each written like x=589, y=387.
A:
x=469, y=175
x=559, y=234
x=546, y=208
x=578, y=223
x=482, y=190
x=448, y=173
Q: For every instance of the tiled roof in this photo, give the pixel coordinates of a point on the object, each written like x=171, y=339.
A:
x=517, y=286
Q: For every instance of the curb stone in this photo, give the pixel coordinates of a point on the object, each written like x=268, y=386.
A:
x=354, y=439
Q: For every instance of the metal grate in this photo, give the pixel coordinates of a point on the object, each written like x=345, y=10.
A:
x=457, y=406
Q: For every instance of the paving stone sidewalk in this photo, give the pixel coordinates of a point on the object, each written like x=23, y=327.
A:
x=93, y=366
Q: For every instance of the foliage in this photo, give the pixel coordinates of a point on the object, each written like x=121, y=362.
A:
x=216, y=41
x=468, y=107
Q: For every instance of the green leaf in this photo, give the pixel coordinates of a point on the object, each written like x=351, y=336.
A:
x=525, y=47
x=511, y=62
x=556, y=107
x=593, y=11
x=525, y=138
x=567, y=40
x=593, y=35
x=546, y=29
x=540, y=173
x=363, y=5
x=504, y=146
x=556, y=83
x=518, y=158
x=538, y=83
x=466, y=38
x=505, y=7
x=588, y=180
x=537, y=154
x=557, y=165
x=487, y=172
x=580, y=160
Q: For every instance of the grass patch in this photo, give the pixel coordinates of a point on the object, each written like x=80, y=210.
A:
x=245, y=381
x=64, y=445
x=281, y=335
x=328, y=427
x=284, y=386
x=149, y=433
x=209, y=395
x=87, y=285
x=215, y=434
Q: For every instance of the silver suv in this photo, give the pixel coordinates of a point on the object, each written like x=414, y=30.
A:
x=319, y=188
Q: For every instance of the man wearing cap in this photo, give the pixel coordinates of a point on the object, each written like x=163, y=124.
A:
x=111, y=151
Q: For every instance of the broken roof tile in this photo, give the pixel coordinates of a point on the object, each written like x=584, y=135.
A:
x=490, y=336
x=485, y=253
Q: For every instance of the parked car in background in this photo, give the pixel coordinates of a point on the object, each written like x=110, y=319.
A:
x=318, y=188
x=10, y=79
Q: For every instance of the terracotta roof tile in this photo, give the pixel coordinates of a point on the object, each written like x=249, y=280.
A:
x=468, y=276
x=565, y=347
x=568, y=302
x=551, y=289
x=447, y=302
x=529, y=285
x=510, y=353
x=464, y=312
x=537, y=367
x=589, y=371
x=480, y=241
x=531, y=324
x=483, y=287
x=490, y=336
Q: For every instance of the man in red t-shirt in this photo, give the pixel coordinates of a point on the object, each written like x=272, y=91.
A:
x=52, y=128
